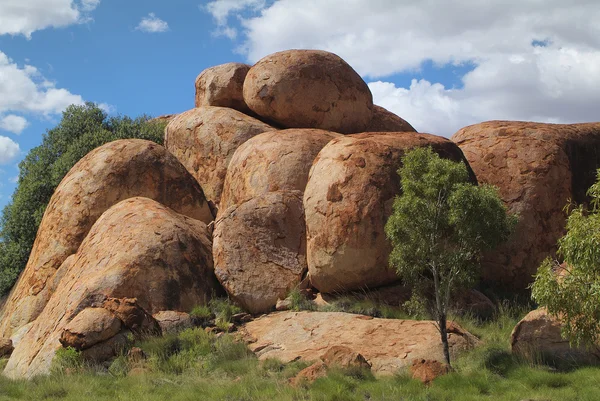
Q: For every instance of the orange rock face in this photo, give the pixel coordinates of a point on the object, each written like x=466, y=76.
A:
x=260, y=249
x=89, y=327
x=113, y=172
x=386, y=121
x=537, y=169
x=387, y=344
x=137, y=249
x=272, y=161
x=309, y=89
x=347, y=202
x=205, y=139
x=426, y=371
x=539, y=334
x=222, y=86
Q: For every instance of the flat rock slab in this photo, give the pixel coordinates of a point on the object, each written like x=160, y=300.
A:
x=388, y=344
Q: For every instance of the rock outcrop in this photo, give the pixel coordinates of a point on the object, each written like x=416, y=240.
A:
x=537, y=168
x=222, y=86
x=309, y=89
x=111, y=173
x=204, y=139
x=90, y=327
x=387, y=344
x=171, y=321
x=138, y=254
x=386, y=121
x=347, y=202
x=260, y=249
x=272, y=161
x=538, y=335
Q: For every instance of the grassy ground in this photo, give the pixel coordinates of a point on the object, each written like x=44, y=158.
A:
x=198, y=366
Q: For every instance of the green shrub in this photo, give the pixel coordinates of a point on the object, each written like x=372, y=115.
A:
x=67, y=359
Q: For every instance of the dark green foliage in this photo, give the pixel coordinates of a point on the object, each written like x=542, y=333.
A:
x=574, y=296
x=81, y=129
x=440, y=225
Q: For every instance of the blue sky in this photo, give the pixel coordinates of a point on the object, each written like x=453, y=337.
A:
x=440, y=67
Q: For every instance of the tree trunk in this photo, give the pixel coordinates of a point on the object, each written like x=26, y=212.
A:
x=444, y=335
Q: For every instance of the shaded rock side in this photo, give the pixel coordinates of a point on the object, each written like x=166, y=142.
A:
x=137, y=249
x=309, y=89
x=387, y=344
x=537, y=169
x=537, y=336
x=347, y=201
x=272, y=161
x=204, y=140
x=386, y=121
x=259, y=248
x=222, y=86
x=172, y=322
x=107, y=175
x=89, y=327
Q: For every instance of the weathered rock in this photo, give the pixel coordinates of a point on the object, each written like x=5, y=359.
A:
x=89, y=327
x=347, y=201
x=166, y=118
x=173, y=322
x=309, y=374
x=272, y=161
x=386, y=121
x=204, y=140
x=387, y=344
x=137, y=249
x=113, y=172
x=283, y=304
x=309, y=89
x=259, y=249
x=106, y=350
x=133, y=316
x=222, y=86
x=6, y=347
x=474, y=303
x=426, y=371
x=537, y=168
x=538, y=335
x=344, y=357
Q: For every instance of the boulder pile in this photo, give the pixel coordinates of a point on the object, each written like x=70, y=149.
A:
x=283, y=174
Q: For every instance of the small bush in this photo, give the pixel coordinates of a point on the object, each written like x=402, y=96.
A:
x=67, y=359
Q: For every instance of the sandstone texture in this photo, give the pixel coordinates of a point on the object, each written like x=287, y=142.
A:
x=309, y=89
x=89, y=327
x=386, y=344
x=537, y=169
x=426, y=371
x=347, y=201
x=344, y=357
x=538, y=334
x=259, y=249
x=205, y=139
x=386, y=121
x=138, y=254
x=222, y=86
x=6, y=347
x=111, y=173
x=272, y=161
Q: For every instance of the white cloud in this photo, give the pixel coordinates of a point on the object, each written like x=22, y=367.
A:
x=222, y=9
x=9, y=150
x=152, y=24
x=532, y=60
x=23, y=17
x=14, y=179
x=13, y=123
x=25, y=90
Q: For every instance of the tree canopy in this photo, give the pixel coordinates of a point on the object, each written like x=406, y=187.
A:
x=570, y=290
x=440, y=225
x=81, y=129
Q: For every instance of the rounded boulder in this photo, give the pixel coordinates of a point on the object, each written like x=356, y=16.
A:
x=204, y=139
x=272, y=161
x=222, y=86
x=107, y=175
x=347, y=201
x=259, y=249
x=309, y=89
